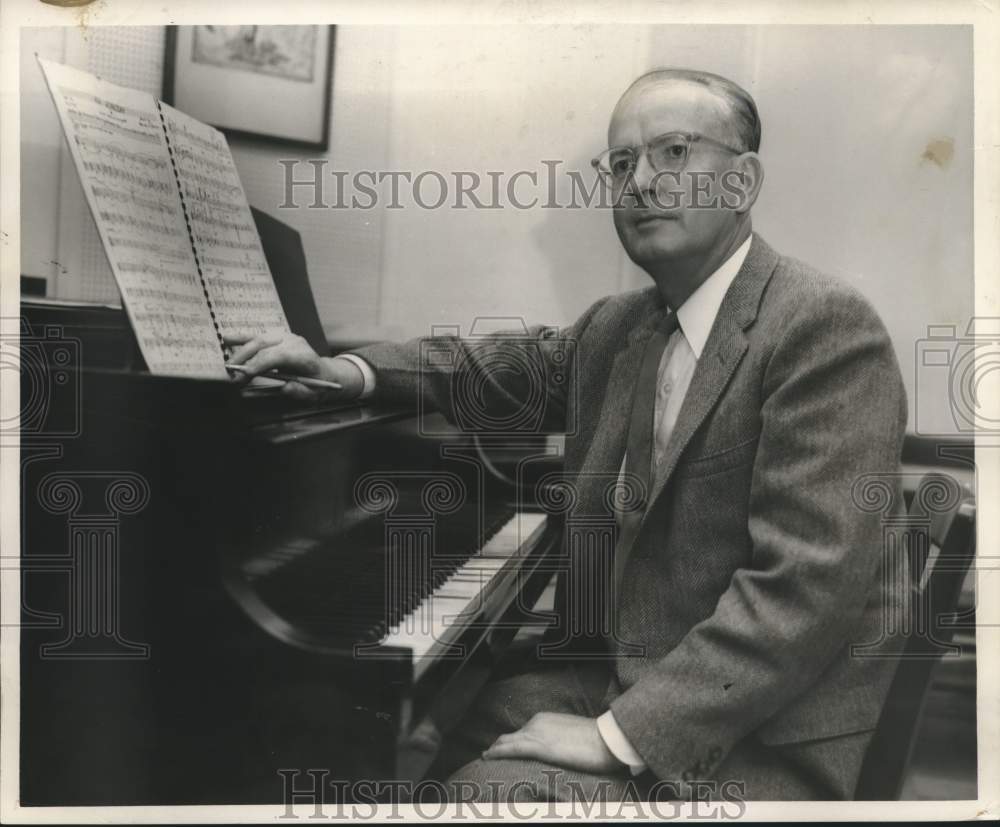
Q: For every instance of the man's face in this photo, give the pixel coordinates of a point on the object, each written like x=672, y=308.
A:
x=657, y=231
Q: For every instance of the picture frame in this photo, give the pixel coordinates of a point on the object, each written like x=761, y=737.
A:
x=265, y=82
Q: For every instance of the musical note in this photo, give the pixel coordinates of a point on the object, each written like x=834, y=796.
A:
x=103, y=172
x=213, y=184
x=205, y=214
x=134, y=222
x=244, y=263
x=158, y=296
x=158, y=273
x=130, y=198
x=118, y=154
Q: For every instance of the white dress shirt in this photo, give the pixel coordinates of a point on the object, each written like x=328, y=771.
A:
x=366, y=371
x=695, y=317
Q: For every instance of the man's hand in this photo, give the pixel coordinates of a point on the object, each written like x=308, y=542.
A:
x=292, y=354
x=569, y=741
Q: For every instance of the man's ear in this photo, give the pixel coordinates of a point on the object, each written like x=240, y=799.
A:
x=743, y=181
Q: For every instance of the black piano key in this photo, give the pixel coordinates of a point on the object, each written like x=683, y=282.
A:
x=361, y=594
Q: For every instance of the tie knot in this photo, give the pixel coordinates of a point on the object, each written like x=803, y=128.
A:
x=669, y=323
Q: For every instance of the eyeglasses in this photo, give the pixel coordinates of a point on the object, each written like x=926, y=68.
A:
x=665, y=153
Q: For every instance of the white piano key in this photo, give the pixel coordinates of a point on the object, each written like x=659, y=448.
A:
x=439, y=618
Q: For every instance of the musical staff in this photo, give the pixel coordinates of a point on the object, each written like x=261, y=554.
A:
x=245, y=263
x=157, y=296
x=118, y=154
x=190, y=156
x=230, y=189
x=130, y=199
x=243, y=304
x=158, y=273
x=104, y=171
x=204, y=214
x=178, y=322
x=137, y=244
x=124, y=220
x=211, y=239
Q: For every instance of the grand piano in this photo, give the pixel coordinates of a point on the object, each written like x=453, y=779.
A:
x=223, y=592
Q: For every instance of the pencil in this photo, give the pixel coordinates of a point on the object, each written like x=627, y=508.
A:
x=308, y=381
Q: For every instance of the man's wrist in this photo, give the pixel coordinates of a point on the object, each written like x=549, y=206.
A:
x=367, y=374
x=618, y=744
x=602, y=743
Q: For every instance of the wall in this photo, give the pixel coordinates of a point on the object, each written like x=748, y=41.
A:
x=343, y=248
x=851, y=187
x=852, y=117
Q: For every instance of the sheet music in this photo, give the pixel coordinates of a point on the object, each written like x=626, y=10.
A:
x=237, y=278
x=117, y=143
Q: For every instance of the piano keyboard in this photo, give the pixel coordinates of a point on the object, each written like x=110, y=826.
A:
x=432, y=626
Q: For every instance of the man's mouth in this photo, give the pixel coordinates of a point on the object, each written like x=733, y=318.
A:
x=651, y=218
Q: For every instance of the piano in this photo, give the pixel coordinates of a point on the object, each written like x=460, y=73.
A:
x=222, y=593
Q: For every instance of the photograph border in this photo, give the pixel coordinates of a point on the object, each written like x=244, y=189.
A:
x=983, y=15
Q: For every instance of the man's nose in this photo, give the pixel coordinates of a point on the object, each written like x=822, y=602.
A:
x=643, y=174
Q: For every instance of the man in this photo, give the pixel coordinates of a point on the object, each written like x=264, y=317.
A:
x=745, y=394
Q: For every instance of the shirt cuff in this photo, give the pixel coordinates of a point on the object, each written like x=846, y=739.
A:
x=366, y=371
x=618, y=744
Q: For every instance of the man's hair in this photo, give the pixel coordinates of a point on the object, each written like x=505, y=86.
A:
x=745, y=120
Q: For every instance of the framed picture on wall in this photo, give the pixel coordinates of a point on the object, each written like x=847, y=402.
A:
x=268, y=82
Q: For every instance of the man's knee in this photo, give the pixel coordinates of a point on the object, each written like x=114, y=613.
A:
x=504, y=780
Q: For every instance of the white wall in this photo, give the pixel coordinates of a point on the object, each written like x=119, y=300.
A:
x=848, y=114
x=849, y=188
x=344, y=248
x=503, y=99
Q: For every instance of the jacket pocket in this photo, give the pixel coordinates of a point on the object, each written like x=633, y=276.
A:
x=850, y=711
x=718, y=461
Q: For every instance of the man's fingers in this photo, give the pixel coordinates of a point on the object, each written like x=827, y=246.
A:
x=296, y=390
x=513, y=748
x=516, y=745
x=269, y=357
x=506, y=738
x=249, y=349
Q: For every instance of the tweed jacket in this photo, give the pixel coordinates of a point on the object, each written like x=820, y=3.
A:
x=755, y=569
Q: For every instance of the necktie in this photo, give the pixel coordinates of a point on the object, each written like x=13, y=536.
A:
x=638, y=459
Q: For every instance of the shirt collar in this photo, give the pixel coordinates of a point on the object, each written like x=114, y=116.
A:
x=697, y=315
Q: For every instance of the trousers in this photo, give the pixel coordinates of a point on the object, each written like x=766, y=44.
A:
x=751, y=771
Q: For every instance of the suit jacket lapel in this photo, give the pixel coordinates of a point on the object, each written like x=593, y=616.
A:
x=722, y=353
